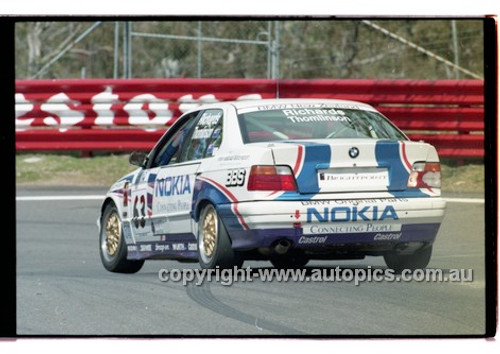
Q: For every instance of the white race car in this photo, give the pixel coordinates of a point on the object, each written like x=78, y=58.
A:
x=285, y=180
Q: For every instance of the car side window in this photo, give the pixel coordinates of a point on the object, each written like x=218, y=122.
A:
x=170, y=152
x=206, y=136
x=215, y=140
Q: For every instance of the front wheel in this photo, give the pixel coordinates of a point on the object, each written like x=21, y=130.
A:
x=214, y=246
x=113, y=249
x=418, y=260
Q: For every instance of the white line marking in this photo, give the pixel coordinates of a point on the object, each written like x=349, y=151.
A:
x=465, y=200
x=472, y=255
x=60, y=198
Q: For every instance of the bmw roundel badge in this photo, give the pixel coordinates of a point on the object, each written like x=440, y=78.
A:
x=353, y=152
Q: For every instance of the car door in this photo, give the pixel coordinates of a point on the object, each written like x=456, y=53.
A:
x=142, y=193
x=174, y=183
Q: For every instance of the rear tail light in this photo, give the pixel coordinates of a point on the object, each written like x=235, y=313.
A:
x=425, y=175
x=271, y=178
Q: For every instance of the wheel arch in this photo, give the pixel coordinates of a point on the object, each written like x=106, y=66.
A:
x=109, y=200
x=200, y=204
x=199, y=207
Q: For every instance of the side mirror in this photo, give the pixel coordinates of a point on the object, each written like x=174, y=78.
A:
x=137, y=158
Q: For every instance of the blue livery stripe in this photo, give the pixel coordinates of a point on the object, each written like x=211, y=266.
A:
x=388, y=154
x=307, y=180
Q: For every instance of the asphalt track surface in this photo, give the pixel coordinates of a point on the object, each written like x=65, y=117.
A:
x=62, y=288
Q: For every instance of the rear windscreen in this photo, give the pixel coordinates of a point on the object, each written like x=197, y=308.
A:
x=315, y=123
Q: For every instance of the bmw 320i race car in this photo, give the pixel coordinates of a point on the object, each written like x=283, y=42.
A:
x=284, y=180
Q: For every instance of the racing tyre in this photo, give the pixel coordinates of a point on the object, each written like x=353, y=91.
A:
x=112, y=246
x=214, y=245
x=418, y=260
x=291, y=261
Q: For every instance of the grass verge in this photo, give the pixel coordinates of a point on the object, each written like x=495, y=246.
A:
x=71, y=170
x=466, y=178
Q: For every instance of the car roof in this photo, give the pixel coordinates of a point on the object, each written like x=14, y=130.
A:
x=250, y=103
x=273, y=101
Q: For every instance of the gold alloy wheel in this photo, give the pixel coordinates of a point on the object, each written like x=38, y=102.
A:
x=209, y=232
x=113, y=234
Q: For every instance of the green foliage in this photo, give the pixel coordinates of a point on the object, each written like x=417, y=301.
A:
x=326, y=48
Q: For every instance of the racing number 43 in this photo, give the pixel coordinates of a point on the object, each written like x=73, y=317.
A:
x=139, y=211
x=236, y=178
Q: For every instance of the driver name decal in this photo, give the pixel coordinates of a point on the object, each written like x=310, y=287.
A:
x=307, y=115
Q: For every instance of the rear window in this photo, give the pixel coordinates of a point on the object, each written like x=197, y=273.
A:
x=315, y=123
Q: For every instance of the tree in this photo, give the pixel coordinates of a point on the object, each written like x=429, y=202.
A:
x=326, y=48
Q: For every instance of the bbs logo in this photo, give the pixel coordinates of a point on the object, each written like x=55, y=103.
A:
x=236, y=178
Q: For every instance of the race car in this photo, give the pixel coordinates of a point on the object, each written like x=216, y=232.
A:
x=284, y=180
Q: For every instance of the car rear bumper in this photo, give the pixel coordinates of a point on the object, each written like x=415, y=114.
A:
x=316, y=224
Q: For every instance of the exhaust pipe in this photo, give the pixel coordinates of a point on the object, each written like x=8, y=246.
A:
x=408, y=247
x=282, y=246
x=400, y=247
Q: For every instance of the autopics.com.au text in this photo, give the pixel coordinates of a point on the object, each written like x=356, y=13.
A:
x=356, y=276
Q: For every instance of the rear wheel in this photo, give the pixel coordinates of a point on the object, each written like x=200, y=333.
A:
x=214, y=246
x=418, y=260
x=113, y=249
